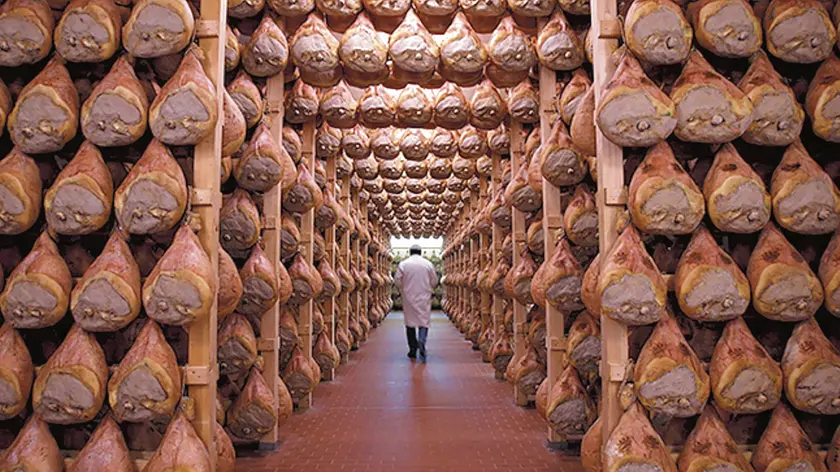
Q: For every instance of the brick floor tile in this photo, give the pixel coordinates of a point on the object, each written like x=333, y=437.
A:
x=384, y=413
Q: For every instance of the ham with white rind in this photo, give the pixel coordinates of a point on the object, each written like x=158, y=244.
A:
x=314, y=50
x=736, y=198
x=777, y=115
x=16, y=373
x=181, y=288
x=630, y=287
x=669, y=377
x=230, y=286
x=254, y=413
x=363, y=54
x=20, y=193
x=37, y=291
x=783, y=286
x=727, y=28
x=237, y=351
x=158, y=28
x=46, y=113
x=147, y=382
x=570, y=410
x=70, y=387
x=107, y=298
x=708, y=283
x=153, y=197
x=811, y=365
x=820, y=102
x=745, y=379
x=26, y=32
x=80, y=199
x=557, y=282
x=116, y=112
x=184, y=112
x=239, y=222
x=805, y=198
x=89, y=31
x=799, y=31
x=259, y=282
x=657, y=32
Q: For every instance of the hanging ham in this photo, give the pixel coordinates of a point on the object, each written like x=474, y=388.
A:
x=591, y=447
x=305, y=194
x=657, y=32
x=234, y=128
x=26, y=29
x=414, y=107
x=241, y=9
x=338, y=107
x=783, y=286
x=254, y=413
x=799, y=31
x=105, y=450
x=70, y=387
x=107, y=298
x=263, y=164
x=570, y=410
x=580, y=220
x=462, y=53
x=709, y=285
x=79, y=201
x=363, y=54
x=511, y=54
x=314, y=50
x=785, y=446
x=633, y=111
x=239, y=222
x=46, y=114
x=237, y=342
x=558, y=46
x=582, y=126
x=487, y=107
x=634, y=441
x=819, y=102
x=413, y=51
x=377, y=108
x=710, y=109
x=558, y=280
x=16, y=375
x=301, y=103
x=663, y=197
x=147, y=383
x=89, y=31
x=158, y=28
x=180, y=449
x=325, y=353
x=260, y=284
x=777, y=115
x=589, y=287
x=736, y=197
x=669, y=377
x=727, y=28
x=805, y=198
x=710, y=447
x=811, y=365
x=20, y=188
x=184, y=112
x=301, y=376
x=33, y=449
x=116, y=112
x=181, y=288
x=247, y=97
x=572, y=94
x=230, y=286
x=267, y=52
x=306, y=281
x=745, y=379
x=37, y=292
x=630, y=287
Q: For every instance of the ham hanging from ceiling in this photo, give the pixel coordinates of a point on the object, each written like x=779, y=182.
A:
x=20, y=187
x=79, y=201
x=116, y=112
x=17, y=373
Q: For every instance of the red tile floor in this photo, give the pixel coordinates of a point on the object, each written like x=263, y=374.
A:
x=386, y=413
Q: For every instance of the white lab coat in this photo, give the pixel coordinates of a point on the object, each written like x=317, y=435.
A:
x=416, y=278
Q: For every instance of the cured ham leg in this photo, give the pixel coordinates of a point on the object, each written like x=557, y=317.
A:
x=20, y=193
x=180, y=449
x=785, y=447
x=709, y=447
x=105, y=450
x=79, y=201
x=33, y=449
x=116, y=112
x=16, y=373
x=811, y=365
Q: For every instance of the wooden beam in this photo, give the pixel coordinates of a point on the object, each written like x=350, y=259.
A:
x=307, y=230
x=496, y=253
x=272, y=208
x=520, y=314
x=332, y=257
x=207, y=162
x=614, y=344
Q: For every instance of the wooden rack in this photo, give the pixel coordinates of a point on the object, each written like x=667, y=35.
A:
x=498, y=313
x=344, y=248
x=520, y=314
x=307, y=230
x=331, y=257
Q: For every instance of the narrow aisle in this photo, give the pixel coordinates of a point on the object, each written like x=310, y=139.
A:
x=386, y=413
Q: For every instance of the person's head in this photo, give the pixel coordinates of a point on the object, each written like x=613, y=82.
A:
x=415, y=250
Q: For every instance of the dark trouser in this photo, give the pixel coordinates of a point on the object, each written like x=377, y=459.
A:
x=411, y=334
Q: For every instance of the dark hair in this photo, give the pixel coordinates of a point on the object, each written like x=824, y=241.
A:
x=414, y=251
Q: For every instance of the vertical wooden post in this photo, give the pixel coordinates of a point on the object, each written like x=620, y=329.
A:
x=520, y=315
x=207, y=201
x=497, y=240
x=363, y=261
x=269, y=343
x=555, y=339
x=484, y=241
x=307, y=229
x=344, y=254
x=354, y=259
x=331, y=258
x=614, y=343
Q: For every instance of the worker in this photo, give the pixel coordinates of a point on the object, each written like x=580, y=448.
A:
x=415, y=279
